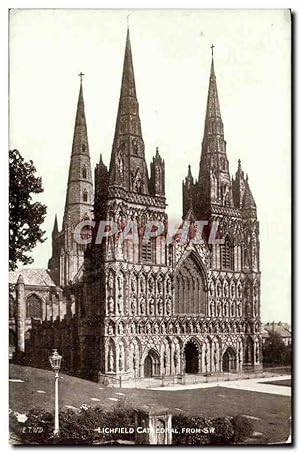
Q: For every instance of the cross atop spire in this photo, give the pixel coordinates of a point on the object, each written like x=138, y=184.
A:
x=81, y=75
x=212, y=50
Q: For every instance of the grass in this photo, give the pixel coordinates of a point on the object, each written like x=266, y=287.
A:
x=284, y=382
x=273, y=411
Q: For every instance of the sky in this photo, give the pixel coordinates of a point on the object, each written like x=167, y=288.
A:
x=171, y=56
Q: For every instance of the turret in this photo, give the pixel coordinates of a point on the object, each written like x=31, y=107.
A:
x=101, y=185
x=188, y=187
x=157, y=178
x=238, y=187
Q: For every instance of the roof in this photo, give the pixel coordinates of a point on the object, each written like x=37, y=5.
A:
x=280, y=329
x=32, y=277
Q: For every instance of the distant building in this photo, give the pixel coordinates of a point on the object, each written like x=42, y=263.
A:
x=280, y=328
x=33, y=295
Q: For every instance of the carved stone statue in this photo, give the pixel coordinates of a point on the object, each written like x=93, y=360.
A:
x=111, y=360
x=133, y=285
x=142, y=306
x=151, y=306
x=176, y=358
x=165, y=359
x=133, y=305
x=257, y=352
x=110, y=282
x=110, y=329
x=168, y=307
x=142, y=285
x=110, y=304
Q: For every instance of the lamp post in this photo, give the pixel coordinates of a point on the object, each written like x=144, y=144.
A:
x=55, y=361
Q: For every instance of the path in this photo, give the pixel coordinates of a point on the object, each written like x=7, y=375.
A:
x=252, y=385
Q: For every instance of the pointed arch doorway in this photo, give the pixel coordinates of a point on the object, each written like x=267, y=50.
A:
x=151, y=364
x=229, y=360
x=191, y=355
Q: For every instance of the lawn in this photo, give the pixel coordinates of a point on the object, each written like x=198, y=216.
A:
x=272, y=412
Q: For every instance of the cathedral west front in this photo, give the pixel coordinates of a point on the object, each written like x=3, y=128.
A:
x=125, y=310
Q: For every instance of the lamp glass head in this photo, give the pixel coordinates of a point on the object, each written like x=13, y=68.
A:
x=55, y=360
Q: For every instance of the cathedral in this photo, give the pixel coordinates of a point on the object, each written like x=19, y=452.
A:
x=123, y=311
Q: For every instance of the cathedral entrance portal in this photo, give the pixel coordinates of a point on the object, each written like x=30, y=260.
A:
x=229, y=360
x=151, y=364
x=191, y=358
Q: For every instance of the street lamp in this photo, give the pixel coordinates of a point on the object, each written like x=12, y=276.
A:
x=55, y=361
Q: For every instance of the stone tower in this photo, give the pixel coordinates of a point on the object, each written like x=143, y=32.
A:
x=124, y=193
x=235, y=275
x=67, y=255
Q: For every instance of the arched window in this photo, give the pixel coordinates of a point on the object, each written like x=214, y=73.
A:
x=11, y=307
x=34, y=307
x=227, y=255
x=84, y=172
x=83, y=148
x=147, y=248
x=189, y=288
x=85, y=196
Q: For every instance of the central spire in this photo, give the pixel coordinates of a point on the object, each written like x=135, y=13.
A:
x=213, y=120
x=127, y=166
x=128, y=82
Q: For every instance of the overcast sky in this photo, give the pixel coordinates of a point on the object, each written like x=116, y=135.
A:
x=171, y=55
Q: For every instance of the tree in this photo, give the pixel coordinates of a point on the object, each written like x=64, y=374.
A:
x=25, y=215
x=275, y=352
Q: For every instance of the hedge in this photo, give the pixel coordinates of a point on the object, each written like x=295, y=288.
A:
x=81, y=427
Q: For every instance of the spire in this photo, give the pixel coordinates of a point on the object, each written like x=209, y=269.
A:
x=128, y=82
x=213, y=120
x=80, y=142
x=238, y=186
x=188, y=187
x=79, y=197
x=214, y=180
x=127, y=166
x=55, y=226
x=20, y=280
x=248, y=201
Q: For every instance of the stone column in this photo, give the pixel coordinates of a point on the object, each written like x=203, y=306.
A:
x=153, y=426
x=21, y=314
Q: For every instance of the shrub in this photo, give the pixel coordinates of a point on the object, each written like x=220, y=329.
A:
x=181, y=422
x=36, y=429
x=82, y=427
x=76, y=427
x=224, y=431
x=243, y=428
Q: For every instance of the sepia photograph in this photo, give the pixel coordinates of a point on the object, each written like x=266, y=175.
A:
x=150, y=293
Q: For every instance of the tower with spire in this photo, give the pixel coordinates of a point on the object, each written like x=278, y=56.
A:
x=230, y=203
x=124, y=193
x=67, y=255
